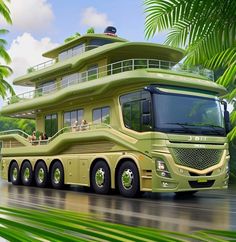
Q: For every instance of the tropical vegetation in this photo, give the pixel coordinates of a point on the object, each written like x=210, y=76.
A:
x=90, y=30
x=206, y=29
x=5, y=70
x=46, y=224
x=26, y=125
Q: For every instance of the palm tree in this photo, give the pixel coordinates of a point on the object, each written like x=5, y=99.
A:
x=207, y=29
x=5, y=71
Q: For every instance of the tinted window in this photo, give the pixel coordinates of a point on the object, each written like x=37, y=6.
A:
x=72, y=116
x=133, y=116
x=101, y=115
x=51, y=124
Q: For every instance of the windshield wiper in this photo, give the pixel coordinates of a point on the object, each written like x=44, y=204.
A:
x=184, y=125
x=215, y=128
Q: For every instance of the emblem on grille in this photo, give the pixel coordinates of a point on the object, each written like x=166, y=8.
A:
x=197, y=138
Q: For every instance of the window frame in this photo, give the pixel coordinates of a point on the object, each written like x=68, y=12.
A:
x=101, y=115
x=140, y=99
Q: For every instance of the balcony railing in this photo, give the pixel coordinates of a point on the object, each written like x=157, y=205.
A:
x=111, y=69
x=70, y=129
x=67, y=56
x=41, y=66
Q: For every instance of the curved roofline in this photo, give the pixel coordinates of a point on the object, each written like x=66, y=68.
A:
x=175, y=55
x=54, y=52
x=104, y=84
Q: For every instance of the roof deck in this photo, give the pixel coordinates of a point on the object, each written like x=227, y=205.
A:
x=111, y=69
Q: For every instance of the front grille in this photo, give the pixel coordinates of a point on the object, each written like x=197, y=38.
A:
x=195, y=184
x=199, y=159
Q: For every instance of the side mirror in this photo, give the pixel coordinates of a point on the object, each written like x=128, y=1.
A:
x=146, y=119
x=227, y=121
x=146, y=107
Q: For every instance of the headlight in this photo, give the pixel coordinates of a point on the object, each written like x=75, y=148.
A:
x=162, y=169
x=160, y=165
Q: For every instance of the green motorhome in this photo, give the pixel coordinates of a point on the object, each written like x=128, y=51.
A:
x=118, y=115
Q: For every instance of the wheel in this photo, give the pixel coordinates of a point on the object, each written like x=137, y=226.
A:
x=15, y=174
x=57, y=175
x=41, y=174
x=27, y=174
x=100, y=179
x=128, y=179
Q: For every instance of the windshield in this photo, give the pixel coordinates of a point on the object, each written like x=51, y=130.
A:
x=176, y=113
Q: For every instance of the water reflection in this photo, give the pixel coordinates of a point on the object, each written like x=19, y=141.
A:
x=163, y=211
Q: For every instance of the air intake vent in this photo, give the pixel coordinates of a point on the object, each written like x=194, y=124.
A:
x=199, y=159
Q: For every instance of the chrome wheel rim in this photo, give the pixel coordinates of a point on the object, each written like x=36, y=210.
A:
x=57, y=175
x=100, y=177
x=14, y=174
x=127, y=179
x=41, y=175
x=26, y=174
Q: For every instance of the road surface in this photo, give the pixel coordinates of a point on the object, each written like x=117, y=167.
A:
x=206, y=210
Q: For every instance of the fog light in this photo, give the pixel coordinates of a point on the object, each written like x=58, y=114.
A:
x=165, y=184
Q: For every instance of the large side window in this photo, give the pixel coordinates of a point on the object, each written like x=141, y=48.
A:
x=72, y=116
x=136, y=110
x=51, y=124
x=101, y=115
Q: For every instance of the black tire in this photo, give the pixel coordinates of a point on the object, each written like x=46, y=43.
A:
x=41, y=174
x=101, y=178
x=27, y=175
x=128, y=179
x=57, y=175
x=15, y=174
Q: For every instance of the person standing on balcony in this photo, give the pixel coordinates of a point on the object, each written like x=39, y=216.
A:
x=75, y=126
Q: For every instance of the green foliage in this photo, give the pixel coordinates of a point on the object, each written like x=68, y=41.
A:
x=5, y=71
x=76, y=35
x=26, y=125
x=91, y=30
x=57, y=225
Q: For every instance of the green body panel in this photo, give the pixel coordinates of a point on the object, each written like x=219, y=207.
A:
x=78, y=151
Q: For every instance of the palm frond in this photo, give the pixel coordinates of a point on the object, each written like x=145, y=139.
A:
x=5, y=12
x=229, y=75
x=5, y=55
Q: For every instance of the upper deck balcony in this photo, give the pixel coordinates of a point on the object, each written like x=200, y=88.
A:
x=111, y=69
x=63, y=56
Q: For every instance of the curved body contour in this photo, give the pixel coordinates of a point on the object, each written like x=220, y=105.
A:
x=123, y=90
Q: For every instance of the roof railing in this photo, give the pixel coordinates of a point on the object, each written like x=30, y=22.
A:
x=110, y=69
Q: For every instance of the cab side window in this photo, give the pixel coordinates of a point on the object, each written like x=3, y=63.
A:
x=136, y=111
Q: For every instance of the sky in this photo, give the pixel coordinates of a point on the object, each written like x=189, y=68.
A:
x=41, y=25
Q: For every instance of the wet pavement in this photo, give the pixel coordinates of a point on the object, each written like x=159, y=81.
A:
x=205, y=210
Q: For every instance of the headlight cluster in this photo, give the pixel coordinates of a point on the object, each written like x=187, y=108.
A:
x=162, y=169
